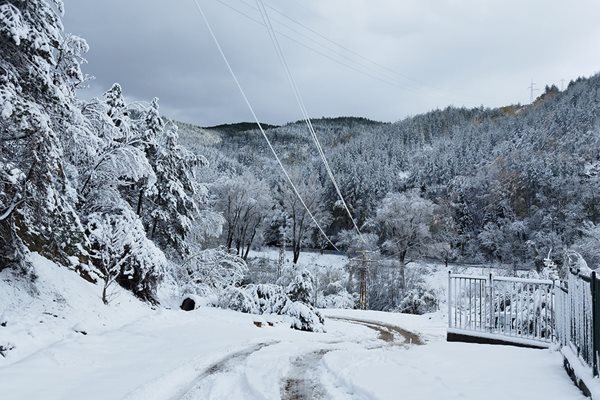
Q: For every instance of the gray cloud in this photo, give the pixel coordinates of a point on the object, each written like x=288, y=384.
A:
x=467, y=52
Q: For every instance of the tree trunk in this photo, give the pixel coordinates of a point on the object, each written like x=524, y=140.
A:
x=140, y=202
x=104, y=293
x=229, y=237
x=153, y=228
x=249, y=244
x=296, y=252
x=402, y=272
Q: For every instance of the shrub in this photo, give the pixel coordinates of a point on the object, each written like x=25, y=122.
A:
x=419, y=300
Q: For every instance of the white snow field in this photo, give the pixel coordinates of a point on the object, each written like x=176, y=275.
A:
x=130, y=351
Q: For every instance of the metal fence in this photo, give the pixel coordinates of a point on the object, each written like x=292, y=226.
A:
x=530, y=311
x=578, y=316
x=515, y=309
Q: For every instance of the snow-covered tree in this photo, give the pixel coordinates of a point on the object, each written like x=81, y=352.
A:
x=121, y=252
x=301, y=287
x=404, y=221
x=210, y=271
x=298, y=223
x=36, y=107
x=245, y=202
x=589, y=244
x=354, y=244
x=172, y=206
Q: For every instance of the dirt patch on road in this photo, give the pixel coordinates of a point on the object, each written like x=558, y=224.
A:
x=387, y=332
x=303, y=380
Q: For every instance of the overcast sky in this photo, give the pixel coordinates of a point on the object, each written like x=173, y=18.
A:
x=381, y=59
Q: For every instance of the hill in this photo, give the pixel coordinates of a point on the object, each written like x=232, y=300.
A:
x=514, y=181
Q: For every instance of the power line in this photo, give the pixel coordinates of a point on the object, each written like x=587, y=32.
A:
x=325, y=55
x=320, y=44
x=356, y=54
x=243, y=93
x=273, y=36
x=375, y=63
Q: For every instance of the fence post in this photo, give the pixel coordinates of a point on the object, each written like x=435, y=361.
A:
x=595, y=322
x=491, y=312
x=449, y=299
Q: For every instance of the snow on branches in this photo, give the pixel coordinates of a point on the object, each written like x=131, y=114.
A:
x=121, y=251
x=209, y=271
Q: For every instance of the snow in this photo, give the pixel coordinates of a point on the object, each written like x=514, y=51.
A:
x=131, y=351
x=307, y=258
x=452, y=371
x=582, y=371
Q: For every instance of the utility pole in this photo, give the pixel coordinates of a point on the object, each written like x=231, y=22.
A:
x=562, y=85
x=362, y=299
x=531, y=90
x=281, y=260
x=363, y=276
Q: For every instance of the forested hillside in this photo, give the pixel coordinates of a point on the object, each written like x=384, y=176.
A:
x=509, y=185
x=109, y=188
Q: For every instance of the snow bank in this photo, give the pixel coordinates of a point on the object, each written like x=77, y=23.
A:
x=57, y=306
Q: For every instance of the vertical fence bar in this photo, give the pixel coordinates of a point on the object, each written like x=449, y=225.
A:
x=518, y=289
x=455, y=301
x=470, y=293
x=491, y=311
x=595, y=333
x=596, y=321
x=449, y=299
x=544, y=296
x=504, y=306
x=460, y=289
x=481, y=303
x=536, y=304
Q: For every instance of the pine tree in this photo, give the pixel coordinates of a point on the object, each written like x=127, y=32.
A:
x=301, y=287
x=171, y=204
x=36, y=106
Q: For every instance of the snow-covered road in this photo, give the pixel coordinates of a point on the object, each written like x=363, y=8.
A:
x=217, y=354
x=131, y=352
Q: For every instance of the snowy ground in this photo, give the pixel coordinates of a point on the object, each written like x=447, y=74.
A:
x=307, y=258
x=130, y=351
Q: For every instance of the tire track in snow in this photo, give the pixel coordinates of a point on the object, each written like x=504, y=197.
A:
x=387, y=332
x=222, y=366
x=303, y=381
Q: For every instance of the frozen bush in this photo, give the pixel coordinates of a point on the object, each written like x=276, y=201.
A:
x=271, y=299
x=238, y=299
x=288, y=273
x=301, y=287
x=335, y=295
x=304, y=317
x=342, y=299
x=419, y=300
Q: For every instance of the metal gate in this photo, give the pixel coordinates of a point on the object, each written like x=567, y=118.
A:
x=504, y=309
x=578, y=316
